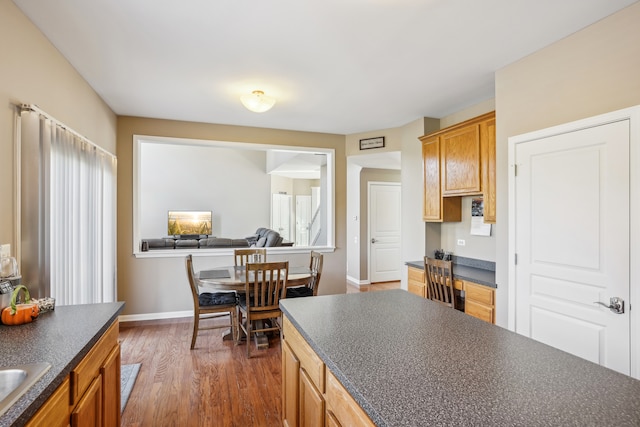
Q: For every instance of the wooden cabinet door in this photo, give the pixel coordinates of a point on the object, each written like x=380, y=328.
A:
x=488, y=129
x=416, y=284
x=479, y=302
x=460, y=161
x=344, y=408
x=88, y=411
x=311, y=403
x=290, y=383
x=110, y=371
x=434, y=207
x=55, y=411
x=331, y=420
x=431, y=174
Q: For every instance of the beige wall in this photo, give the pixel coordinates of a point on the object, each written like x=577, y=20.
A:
x=32, y=71
x=158, y=285
x=591, y=72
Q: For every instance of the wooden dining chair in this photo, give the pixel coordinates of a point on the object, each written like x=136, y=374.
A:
x=439, y=277
x=207, y=306
x=265, y=284
x=244, y=256
x=311, y=287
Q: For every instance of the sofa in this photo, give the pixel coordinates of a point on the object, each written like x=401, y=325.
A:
x=262, y=238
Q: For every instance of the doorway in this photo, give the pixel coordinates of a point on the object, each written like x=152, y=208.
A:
x=281, y=215
x=571, y=239
x=385, y=260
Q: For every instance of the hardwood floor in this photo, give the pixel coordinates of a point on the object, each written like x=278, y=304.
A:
x=212, y=385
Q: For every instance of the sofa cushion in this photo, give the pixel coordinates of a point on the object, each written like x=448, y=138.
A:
x=273, y=238
x=159, y=243
x=239, y=243
x=215, y=242
x=186, y=243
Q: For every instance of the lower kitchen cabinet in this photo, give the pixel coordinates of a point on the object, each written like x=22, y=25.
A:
x=90, y=396
x=479, y=301
x=344, y=410
x=416, y=282
x=303, y=381
x=55, y=411
x=311, y=395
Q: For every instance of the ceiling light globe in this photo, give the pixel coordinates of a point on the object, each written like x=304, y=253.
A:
x=257, y=101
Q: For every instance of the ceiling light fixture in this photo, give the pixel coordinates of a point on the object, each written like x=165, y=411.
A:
x=257, y=102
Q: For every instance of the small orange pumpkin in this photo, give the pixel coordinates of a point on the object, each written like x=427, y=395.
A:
x=18, y=314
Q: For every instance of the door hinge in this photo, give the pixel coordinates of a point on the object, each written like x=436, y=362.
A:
x=515, y=170
x=515, y=259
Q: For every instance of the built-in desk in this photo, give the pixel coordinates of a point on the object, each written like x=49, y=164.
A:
x=476, y=278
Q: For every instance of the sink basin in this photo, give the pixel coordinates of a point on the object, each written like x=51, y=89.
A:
x=16, y=380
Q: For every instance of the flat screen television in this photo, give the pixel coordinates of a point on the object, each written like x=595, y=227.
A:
x=189, y=223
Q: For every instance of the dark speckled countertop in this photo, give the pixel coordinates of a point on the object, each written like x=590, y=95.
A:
x=62, y=338
x=409, y=361
x=474, y=270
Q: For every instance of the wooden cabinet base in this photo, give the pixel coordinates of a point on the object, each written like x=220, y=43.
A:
x=90, y=396
x=344, y=409
x=56, y=410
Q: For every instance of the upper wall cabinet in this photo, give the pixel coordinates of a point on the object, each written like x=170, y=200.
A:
x=459, y=161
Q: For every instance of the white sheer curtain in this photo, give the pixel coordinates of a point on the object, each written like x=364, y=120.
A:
x=68, y=213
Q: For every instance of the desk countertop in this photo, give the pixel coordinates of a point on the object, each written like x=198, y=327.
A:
x=472, y=273
x=62, y=338
x=409, y=361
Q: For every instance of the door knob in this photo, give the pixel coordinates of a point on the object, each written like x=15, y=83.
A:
x=373, y=240
x=616, y=305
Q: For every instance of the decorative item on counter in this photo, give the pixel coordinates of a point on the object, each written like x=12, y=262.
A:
x=8, y=267
x=443, y=255
x=18, y=314
x=45, y=304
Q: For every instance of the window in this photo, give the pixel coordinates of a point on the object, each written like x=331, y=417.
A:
x=240, y=183
x=67, y=213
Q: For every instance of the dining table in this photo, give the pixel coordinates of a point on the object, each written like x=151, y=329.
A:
x=232, y=278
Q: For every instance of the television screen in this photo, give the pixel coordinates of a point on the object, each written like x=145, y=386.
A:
x=189, y=223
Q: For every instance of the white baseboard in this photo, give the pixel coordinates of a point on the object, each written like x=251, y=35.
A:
x=155, y=316
x=356, y=282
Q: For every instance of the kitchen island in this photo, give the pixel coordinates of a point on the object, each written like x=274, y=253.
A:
x=61, y=338
x=408, y=361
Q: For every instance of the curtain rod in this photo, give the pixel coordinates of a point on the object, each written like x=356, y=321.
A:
x=34, y=108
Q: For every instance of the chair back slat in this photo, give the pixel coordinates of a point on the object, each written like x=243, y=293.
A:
x=265, y=284
x=245, y=256
x=439, y=277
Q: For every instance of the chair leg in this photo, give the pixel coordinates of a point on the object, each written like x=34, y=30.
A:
x=249, y=330
x=234, y=325
x=196, y=319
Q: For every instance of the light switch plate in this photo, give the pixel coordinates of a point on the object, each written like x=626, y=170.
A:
x=5, y=250
x=461, y=242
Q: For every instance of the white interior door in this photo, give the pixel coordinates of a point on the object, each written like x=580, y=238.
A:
x=303, y=220
x=281, y=215
x=385, y=261
x=572, y=226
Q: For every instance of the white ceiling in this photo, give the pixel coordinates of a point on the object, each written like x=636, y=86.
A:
x=337, y=66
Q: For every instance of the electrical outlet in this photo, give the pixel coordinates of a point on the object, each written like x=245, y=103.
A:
x=5, y=250
x=461, y=242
